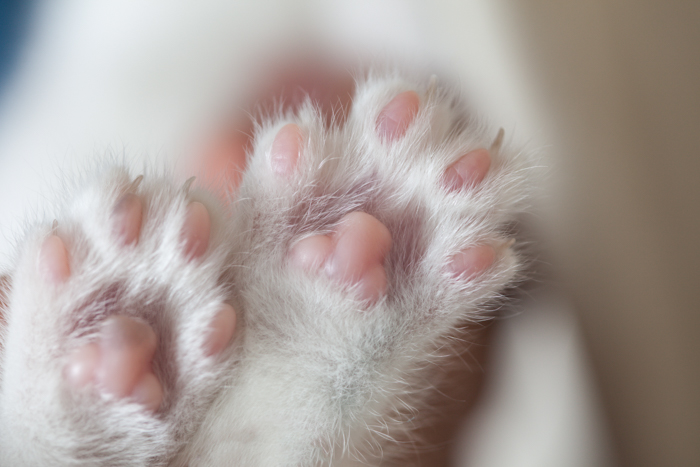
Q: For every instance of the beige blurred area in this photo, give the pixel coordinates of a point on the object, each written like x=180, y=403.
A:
x=621, y=81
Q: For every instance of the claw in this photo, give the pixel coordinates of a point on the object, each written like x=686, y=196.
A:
x=135, y=184
x=432, y=86
x=496, y=145
x=188, y=184
x=500, y=249
x=54, y=226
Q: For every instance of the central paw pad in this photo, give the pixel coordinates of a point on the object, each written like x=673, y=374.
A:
x=353, y=255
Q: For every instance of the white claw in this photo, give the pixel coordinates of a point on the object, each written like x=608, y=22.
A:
x=496, y=145
x=432, y=86
x=135, y=184
x=500, y=249
x=188, y=184
x=54, y=226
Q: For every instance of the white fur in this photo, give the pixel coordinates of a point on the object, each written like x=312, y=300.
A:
x=314, y=376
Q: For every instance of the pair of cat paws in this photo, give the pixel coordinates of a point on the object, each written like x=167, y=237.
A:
x=147, y=303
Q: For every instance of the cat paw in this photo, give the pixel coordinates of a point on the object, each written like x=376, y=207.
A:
x=355, y=252
x=362, y=246
x=117, y=327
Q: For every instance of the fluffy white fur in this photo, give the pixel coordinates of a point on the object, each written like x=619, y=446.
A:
x=314, y=376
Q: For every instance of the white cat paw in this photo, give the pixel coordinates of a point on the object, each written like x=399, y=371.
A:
x=361, y=247
x=116, y=327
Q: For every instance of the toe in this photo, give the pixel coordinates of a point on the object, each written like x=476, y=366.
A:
x=127, y=347
x=220, y=330
x=126, y=219
x=361, y=245
x=472, y=262
x=53, y=260
x=195, y=230
x=395, y=118
x=284, y=154
x=468, y=171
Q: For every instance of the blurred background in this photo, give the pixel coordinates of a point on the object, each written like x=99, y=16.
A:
x=620, y=82
x=602, y=365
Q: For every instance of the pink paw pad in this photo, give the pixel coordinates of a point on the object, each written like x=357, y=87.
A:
x=53, y=260
x=468, y=171
x=220, y=330
x=195, y=230
x=397, y=116
x=119, y=363
x=352, y=255
x=126, y=219
x=471, y=262
x=284, y=154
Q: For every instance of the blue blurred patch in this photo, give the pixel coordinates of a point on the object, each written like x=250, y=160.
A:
x=14, y=19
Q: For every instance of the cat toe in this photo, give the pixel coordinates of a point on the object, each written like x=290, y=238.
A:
x=285, y=150
x=471, y=262
x=397, y=116
x=195, y=230
x=220, y=331
x=126, y=219
x=54, y=265
x=468, y=171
